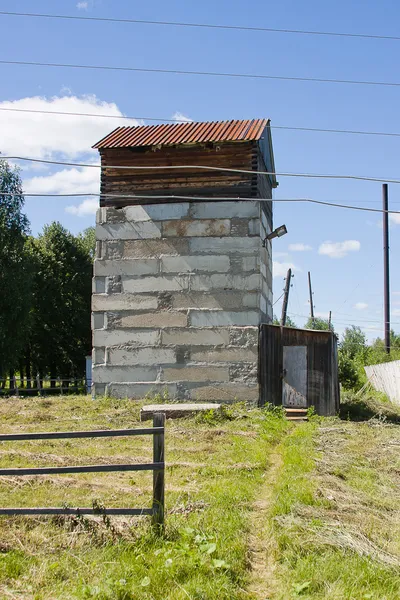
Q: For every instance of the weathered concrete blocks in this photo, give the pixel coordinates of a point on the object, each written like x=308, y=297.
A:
x=193, y=336
x=181, y=264
x=155, y=248
x=112, y=302
x=134, y=337
x=205, y=227
x=179, y=290
x=136, y=267
x=128, y=356
x=227, y=245
x=155, y=284
x=223, y=282
x=221, y=318
x=189, y=373
x=128, y=231
x=158, y=319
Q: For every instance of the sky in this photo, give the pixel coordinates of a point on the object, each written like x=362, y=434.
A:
x=341, y=248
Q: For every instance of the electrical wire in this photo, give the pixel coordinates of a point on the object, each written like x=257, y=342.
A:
x=276, y=301
x=206, y=26
x=163, y=120
x=201, y=73
x=200, y=198
x=209, y=168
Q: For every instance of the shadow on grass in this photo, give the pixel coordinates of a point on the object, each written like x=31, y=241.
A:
x=368, y=406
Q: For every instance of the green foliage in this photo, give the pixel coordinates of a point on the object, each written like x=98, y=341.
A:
x=318, y=324
x=61, y=333
x=368, y=405
x=15, y=269
x=87, y=238
x=289, y=322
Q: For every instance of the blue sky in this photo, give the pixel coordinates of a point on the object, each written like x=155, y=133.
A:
x=347, y=279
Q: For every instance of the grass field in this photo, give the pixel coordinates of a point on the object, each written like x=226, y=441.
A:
x=257, y=508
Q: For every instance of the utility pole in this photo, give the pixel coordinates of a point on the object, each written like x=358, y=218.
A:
x=385, y=202
x=311, y=298
x=286, y=298
x=330, y=320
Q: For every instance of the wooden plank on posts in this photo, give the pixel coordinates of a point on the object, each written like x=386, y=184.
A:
x=159, y=474
x=84, y=469
x=60, y=435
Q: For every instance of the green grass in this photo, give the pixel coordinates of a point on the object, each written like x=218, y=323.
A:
x=336, y=512
x=215, y=468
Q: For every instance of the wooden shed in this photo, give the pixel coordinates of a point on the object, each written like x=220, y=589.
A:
x=298, y=369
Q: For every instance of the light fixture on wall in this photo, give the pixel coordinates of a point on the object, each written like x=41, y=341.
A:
x=278, y=232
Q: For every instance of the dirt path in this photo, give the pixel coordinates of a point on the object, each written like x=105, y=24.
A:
x=261, y=541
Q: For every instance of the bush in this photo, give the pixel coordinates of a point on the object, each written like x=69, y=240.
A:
x=367, y=406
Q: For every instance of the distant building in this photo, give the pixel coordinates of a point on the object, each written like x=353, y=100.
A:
x=181, y=285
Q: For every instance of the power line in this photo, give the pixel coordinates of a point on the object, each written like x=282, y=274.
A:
x=160, y=119
x=206, y=26
x=190, y=198
x=220, y=169
x=201, y=73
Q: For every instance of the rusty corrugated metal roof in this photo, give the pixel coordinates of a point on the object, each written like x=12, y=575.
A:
x=184, y=133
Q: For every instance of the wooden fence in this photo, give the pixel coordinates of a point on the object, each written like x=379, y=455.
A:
x=43, y=386
x=157, y=466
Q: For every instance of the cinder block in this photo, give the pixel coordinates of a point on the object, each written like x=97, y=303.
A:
x=113, y=249
x=244, y=337
x=98, y=320
x=122, y=374
x=140, y=390
x=226, y=392
x=250, y=263
x=206, y=227
x=243, y=373
x=225, y=355
x=157, y=212
x=215, y=299
x=155, y=248
x=240, y=227
x=159, y=319
x=123, y=302
x=205, y=373
x=99, y=356
x=181, y=264
x=128, y=231
x=228, y=245
x=254, y=227
x=195, y=337
x=99, y=285
x=223, y=282
x=155, y=284
x=263, y=304
x=141, y=356
x=251, y=300
x=135, y=267
x=100, y=215
x=117, y=337
x=220, y=318
x=221, y=210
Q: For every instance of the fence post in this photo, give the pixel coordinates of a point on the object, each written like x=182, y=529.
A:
x=159, y=475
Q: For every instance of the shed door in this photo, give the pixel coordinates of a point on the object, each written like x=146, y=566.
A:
x=294, y=389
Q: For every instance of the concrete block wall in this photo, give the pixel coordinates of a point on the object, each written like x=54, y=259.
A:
x=179, y=291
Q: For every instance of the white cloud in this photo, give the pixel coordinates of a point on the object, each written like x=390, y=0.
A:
x=181, y=118
x=66, y=181
x=396, y=312
x=87, y=207
x=281, y=254
x=299, y=247
x=395, y=219
x=39, y=135
x=339, y=249
x=82, y=5
x=360, y=305
x=281, y=269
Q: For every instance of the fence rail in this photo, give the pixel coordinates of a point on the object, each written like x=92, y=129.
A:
x=157, y=466
x=28, y=386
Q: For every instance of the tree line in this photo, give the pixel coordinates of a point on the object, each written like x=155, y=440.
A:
x=45, y=284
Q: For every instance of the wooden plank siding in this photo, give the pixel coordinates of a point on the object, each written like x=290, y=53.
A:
x=186, y=181
x=322, y=375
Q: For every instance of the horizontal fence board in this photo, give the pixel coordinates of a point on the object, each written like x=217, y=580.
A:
x=60, y=435
x=76, y=511
x=83, y=469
